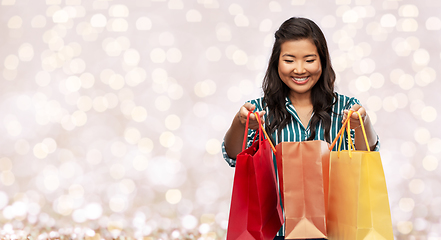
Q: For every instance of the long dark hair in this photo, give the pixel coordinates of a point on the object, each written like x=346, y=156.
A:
x=275, y=91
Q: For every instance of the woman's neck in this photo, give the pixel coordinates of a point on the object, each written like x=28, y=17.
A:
x=300, y=100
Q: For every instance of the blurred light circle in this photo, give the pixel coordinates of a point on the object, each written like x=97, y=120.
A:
x=429, y=114
x=406, y=204
x=425, y=76
x=345, y=43
x=145, y=145
x=193, y=16
x=235, y=9
x=207, y=193
x=421, y=57
x=173, y=196
x=350, y=16
x=26, y=52
x=204, y=228
x=131, y=57
x=98, y=20
x=167, y=139
x=60, y=16
x=430, y=163
x=223, y=32
x=404, y=227
x=94, y=156
x=390, y=104
x=112, y=100
x=407, y=171
x=401, y=47
x=374, y=103
x=274, y=6
x=158, y=55
x=408, y=10
x=189, y=222
x=93, y=210
x=240, y=57
x=117, y=171
x=38, y=21
x=205, y=88
x=363, y=83
x=417, y=186
x=143, y=24
x=213, y=54
x=7, y=178
x=433, y=24
x=388, y=20
x=401, y=99
x=73, y=83
x=172, y=122
x=116, y=81
x=422, y=135
x=15, y=22
x=246, y=87
x=100, y=104
x=119, y=10
x=174, y=55
x=84, y=103
x=266, y=24
x=139, y=114
x=213, y=146
x=117, y=25
x=162, y=103
x=22, y=147
x=407, y=25
x=140, y=163
x=87, y=80
x=132, y=135
x=434, y=145
x=11, y=62
x=241, y=20
x=79, y=215
x=118, y=203
x=127, y=186
x=40, y=151
x=51, y=182
x=406, y=81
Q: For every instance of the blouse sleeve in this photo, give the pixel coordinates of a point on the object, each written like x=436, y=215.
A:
x=251, y=134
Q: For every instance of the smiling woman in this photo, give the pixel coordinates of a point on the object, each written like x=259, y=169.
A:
x=299, y=102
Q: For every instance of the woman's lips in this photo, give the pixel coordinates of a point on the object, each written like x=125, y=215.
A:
x=300, y=80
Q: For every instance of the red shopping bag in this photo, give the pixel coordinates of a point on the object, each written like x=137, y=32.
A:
x=255, y=211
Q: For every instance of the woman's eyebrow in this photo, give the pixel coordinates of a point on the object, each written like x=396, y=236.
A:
x=290, y=55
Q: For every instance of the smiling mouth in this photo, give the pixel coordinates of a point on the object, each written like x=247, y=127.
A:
x=301, y=80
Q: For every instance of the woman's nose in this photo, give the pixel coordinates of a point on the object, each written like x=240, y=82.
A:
x=298, y=68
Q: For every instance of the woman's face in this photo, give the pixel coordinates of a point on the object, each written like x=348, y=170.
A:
x=299, y=66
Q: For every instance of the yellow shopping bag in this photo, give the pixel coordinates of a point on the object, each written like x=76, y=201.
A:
x=358, y=204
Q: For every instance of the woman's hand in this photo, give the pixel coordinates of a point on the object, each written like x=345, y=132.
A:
x=243, y=113
x=355, y=122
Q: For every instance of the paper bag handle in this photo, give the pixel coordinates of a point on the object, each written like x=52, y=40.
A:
x=261, y=128
x=347, y=125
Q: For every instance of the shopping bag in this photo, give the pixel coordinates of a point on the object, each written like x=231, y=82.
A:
x=303, y=177
x=255, y=211
x=358, y=200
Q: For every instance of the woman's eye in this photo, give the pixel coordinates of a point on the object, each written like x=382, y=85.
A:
x=289, y=61
x=310, y=61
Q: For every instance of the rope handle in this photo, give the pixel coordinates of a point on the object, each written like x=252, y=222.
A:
x=263, y=129
x=346, y=125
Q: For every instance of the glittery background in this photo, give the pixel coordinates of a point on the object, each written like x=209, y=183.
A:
x=113, y=112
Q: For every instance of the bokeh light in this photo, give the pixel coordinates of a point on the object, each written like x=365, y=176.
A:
x=113, y=113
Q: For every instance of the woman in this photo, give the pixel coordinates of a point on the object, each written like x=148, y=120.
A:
x=299, y=102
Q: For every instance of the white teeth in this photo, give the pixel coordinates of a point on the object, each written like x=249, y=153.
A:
x=300, y=79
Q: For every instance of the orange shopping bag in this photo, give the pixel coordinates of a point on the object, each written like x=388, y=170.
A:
x=255, y=211
x=358, y=200
x=303, y=176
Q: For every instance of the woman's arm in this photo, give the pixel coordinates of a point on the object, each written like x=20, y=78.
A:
x=234, y=137
x=371, y=135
